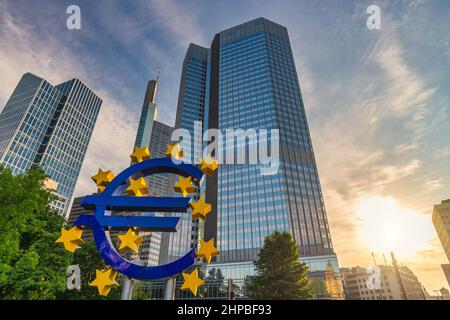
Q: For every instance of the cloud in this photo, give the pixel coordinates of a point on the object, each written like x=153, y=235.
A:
x=386, y=174
x=405, y=147
x=405, y=89
x=400, y=91
x=435, y=184
x=307, y=82
x=110, y=145
x=442, y=152
x=178, y=21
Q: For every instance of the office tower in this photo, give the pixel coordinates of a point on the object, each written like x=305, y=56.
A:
x=149, y=114
x=191, y=108
x=358, y=286
x=156, y=136
x=248, y=80
x=192, y=95
x=441, y=221
x=50, y=127
x=158, y=185
x=253, y=71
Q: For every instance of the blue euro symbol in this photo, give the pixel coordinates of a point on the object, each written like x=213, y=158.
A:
x=100, y=223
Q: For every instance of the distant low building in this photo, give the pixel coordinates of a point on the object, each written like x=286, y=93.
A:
x=442, y=294
x=75, y=211
x=358, y=284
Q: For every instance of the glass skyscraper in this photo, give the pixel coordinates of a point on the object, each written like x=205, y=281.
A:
x=149, y=114
x=156, y=136
x=49, y=126
x=158, y=186
x=247, y=80
x=191, y=108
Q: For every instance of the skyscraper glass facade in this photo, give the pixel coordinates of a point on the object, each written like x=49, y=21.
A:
x=250, y=82
x=154, y=135
x=148, y=115
x=158, y=185
x=258, y=88
x=49, y=126
x=191, y=108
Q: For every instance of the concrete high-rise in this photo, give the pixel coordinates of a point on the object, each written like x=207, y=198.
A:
x=441, y=221
x=247, y=80
x=50, y=127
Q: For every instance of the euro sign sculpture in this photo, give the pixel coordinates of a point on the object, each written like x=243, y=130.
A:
x=111, y=199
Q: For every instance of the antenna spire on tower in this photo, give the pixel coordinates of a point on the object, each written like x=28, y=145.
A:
x=373, y=256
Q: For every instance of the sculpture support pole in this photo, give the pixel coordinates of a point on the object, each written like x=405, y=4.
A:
x=127, y=289
x=169, y=291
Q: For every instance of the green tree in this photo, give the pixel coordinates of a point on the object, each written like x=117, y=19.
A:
x=32, y=266
x=88, y=259
x=279, y=272
x=139, y=294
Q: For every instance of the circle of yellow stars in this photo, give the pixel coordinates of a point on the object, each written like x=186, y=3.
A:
x=130, y=241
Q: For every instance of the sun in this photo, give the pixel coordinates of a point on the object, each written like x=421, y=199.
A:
x=386, y=225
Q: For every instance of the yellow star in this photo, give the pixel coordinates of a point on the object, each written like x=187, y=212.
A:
x=192, y=281
x=140, y=154
x=71, y=238
x=102, y=178
x=184, y=186
x=104, y=280
x=200, y=209
x=129, y=241
x=209, y=165
x=174, y=151
x=207, y=250
x=137, y=187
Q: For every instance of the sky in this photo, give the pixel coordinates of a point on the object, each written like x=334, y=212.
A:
x=377, y=101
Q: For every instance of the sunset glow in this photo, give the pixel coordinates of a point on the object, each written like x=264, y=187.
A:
x=386, y=225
